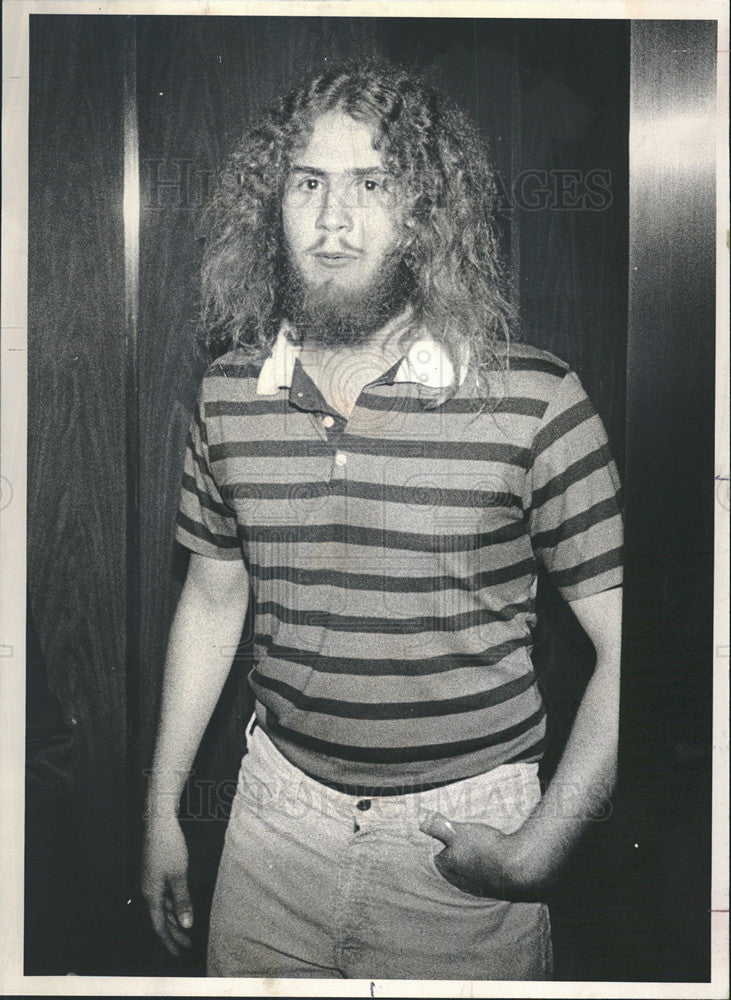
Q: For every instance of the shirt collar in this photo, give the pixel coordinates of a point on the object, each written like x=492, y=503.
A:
x=425, y=362
x=276, y=372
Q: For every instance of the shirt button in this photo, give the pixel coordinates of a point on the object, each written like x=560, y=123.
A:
x=340, y=458
x=327, y=421
x=363, y=804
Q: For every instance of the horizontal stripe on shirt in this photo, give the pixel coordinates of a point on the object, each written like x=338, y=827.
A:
x=458, y=451
x=349, y=534
x=374, y=666
x=420, y=495
x=372, y=401
x=389, y=755
x=396, y=710
x=397, y=584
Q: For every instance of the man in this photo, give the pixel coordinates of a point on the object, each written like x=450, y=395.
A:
x=376, y=461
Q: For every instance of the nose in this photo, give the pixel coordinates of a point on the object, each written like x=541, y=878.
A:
x=334, y=215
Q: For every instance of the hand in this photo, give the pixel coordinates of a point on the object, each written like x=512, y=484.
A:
x=479, y=859
x=165, y=883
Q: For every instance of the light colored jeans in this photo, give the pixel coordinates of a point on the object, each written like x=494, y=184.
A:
x=316, y=883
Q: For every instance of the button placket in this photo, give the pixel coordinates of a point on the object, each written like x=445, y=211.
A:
x=338, y=464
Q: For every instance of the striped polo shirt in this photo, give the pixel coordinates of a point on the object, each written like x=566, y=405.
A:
x=393, y=555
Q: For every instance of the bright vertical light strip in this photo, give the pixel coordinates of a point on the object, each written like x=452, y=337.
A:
x=131, y=218
x=131, y=197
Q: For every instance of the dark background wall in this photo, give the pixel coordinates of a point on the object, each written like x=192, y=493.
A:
x=76, y=454
x=552, y=100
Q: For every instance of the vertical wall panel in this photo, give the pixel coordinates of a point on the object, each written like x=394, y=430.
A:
x=76, y=447
x=667, y=691
x=571, y=195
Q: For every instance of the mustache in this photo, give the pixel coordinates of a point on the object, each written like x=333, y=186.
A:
x=342, y=245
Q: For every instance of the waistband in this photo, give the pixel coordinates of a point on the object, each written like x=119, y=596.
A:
x=510, y=791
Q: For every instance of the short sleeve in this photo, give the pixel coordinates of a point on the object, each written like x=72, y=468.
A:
x=573, y=496
x=204, y=523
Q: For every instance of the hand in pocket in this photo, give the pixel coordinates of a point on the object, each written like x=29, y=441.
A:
x=477, y=858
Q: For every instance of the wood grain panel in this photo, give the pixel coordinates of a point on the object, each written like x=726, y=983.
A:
x=573, y=203
x=76, y=446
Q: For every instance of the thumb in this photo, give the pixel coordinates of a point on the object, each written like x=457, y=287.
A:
x=437, y=826
x=181, y=899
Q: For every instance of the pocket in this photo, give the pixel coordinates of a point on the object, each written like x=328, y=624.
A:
x=447, y=890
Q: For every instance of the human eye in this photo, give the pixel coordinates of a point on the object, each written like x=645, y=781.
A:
x=376, y=190
x=301, y=183
x=368, y=189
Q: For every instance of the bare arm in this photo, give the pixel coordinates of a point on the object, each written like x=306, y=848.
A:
x=586, y=773
x=482, y=860
x=203, y=638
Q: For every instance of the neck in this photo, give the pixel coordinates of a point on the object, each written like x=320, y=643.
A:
x=340, y=373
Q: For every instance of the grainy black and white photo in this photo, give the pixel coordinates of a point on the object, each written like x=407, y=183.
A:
x=370, y=502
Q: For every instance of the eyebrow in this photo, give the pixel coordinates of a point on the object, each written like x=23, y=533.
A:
x=356, y=172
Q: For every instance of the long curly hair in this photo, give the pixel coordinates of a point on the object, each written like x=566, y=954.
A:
x=433, y=151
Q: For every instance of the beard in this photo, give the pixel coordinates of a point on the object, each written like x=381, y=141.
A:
x=333, y=317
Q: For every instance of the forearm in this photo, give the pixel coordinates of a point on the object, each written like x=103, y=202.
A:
x=203, y=638
x=579, y=791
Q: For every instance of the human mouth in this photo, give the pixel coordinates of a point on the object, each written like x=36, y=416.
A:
x=334, y=259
